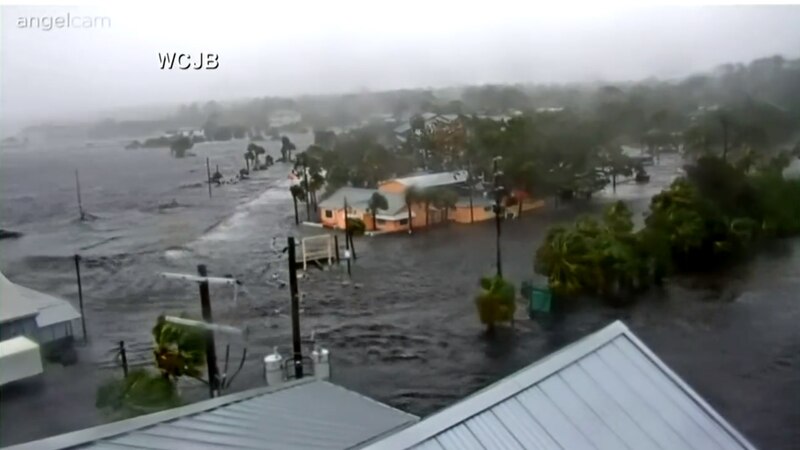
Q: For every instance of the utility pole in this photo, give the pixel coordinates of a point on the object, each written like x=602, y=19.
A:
x=208, y=174
x=124, y=358
x=297, y=350
x=80, y=295
x=211, y=350
x=497, y=210
x=346, y=239
x=307, y=189
x=78, y=188
x=470, y=182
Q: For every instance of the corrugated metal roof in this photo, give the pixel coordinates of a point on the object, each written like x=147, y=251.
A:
x=305, y=414
x=606, y=391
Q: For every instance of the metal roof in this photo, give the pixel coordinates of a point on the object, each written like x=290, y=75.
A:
x=19, y=301
x=12, y=307
x=434, y=179
x=304, y=414
x=606, y=391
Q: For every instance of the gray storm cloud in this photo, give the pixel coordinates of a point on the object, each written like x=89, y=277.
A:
x=51, y=72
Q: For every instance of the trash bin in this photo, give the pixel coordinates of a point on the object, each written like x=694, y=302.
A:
x=539, y=298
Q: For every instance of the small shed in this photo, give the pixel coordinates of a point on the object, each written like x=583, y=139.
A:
x=605, y=391
x=20, y=358
x=26, y=312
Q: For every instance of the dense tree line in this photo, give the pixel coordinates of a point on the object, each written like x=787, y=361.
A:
x=713, y=216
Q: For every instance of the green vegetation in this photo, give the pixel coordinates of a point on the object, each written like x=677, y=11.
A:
x=376, y=202
x=179, y=351
x=495, y=302
x=356, y=227
x=713, y=216
x=180, y=146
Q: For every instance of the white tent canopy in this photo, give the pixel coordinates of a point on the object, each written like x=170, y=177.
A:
x=17, y=302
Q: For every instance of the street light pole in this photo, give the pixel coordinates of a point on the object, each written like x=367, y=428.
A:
x=497, y=210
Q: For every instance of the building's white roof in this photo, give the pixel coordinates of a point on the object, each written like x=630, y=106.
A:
x=19, y=344
x=402, y=128
x=18, y=301
x=11, y=305
x=606, y=391
x=434, y=179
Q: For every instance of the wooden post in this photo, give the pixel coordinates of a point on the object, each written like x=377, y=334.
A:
x=352, y=246
x=296, y=344
x=124, y=358
x=305, y=261
x=78, y=188
x=346, y=239
x=336, y=247
x=211, y=349
x=208, y=172
x=497, y=209
x=80, y=296
x=470, y=181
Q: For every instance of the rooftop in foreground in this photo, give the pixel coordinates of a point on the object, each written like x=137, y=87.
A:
x=298, y=415
x=605, y=391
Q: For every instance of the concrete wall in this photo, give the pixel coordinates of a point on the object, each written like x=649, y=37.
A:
x=461, y=214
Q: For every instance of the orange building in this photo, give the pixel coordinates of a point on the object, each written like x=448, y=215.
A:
x=396, y=217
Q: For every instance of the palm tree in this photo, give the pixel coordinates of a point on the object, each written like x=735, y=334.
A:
x=287, y=147
x=412, y=195
x=495, y=302
x=179, y=350
x=376, y=202
x=428, y=196
x=298, y=193
x=449, y=201
x=445, y=200
x=562, y=258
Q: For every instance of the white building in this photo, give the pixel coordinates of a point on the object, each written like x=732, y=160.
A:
x=39, y=316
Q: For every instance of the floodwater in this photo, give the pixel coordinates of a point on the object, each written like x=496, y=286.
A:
x=404, y=330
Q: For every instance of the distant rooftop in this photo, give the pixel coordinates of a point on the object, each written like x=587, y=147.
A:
x=434, y=179
x=605, y=391
x=299, y=415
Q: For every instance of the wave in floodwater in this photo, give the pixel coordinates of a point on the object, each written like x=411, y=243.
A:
x=239, y=223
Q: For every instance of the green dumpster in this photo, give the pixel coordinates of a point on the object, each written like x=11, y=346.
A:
x=539, y=298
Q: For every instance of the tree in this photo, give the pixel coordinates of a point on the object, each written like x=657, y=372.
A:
x=495, y=302
x=141, y=392
x=180, y=146
x=255, y=150
x=179, y=350
x=445, y=200
x=287, y=147
x=412, y=196
x=376, y=202
x=298, y=194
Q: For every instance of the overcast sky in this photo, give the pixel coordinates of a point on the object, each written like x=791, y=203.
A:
x=338, y=46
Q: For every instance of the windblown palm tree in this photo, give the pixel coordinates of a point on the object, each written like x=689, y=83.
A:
x=412, y=195
x=376, y=202
x=297, y=194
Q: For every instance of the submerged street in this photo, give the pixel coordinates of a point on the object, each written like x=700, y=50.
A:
x=403, y=331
